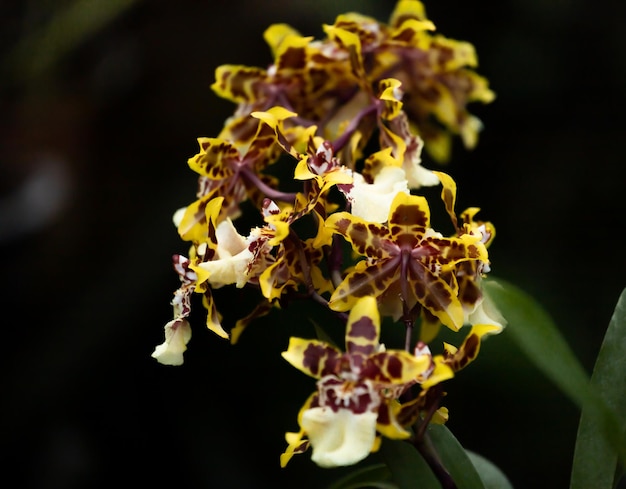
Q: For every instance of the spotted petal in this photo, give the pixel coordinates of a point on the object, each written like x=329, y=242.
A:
x=296, y=442
x=391, y=95
x=461, y=357
x=436, y=295
x=352, y=44
x=367, y=238
x=239, y=84
x=387, y=423
x=365, y=280
x=286, y=272
x=313, y=357
x=447, y=253
x=363, y=327
x=412, y=32
x=409, y=216
x=292, y=54
x=192, y=225
x=396, y=367
x=215, y=158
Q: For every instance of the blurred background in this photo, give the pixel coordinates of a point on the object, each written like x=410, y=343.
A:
x=101, y=104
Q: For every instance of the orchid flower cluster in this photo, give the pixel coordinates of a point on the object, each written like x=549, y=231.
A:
x=346, y=118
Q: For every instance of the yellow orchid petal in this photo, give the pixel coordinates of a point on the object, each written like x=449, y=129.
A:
x=272, y=117
x=391, y=94
x=302, y=171
x=192, y=223
x=429, y=327
x=296, y=444
x=379, y=160
x=413, y=32
x=214, y=318
x=387, y=422
x=272, y=280
x=276, y=34
x=377, y=443
x=442, y=371
x=407, y=9
x=448, y=194
x=441, y=416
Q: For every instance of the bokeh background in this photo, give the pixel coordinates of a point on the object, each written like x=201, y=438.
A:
x=101, y=104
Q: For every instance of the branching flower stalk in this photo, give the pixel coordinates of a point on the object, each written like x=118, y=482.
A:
x=314, y=114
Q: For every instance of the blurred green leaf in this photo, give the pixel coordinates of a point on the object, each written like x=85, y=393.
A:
x=408, y=469
x=373, y=476
x=454, y=458
x=595, y=459
x=533, y=330
x=72, y=23
x=530, y=326
x=492, y=476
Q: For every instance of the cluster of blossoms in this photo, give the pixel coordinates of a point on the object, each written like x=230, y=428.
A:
x=346, y=119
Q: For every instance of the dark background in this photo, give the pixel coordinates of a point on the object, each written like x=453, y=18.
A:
x=96, y=128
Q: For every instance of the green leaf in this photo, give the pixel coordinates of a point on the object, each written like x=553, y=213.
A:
x=530, y=326
x=492, y=476
x=454, y=458
x=408, y=468
x=595, y=458
x=373, y=476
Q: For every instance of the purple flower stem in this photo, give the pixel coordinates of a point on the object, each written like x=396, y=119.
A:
x=342, y=140
x=428, y=452
x=269, y=192
x=424, y=445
